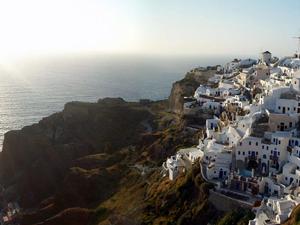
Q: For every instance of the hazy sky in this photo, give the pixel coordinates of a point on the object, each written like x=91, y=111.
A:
x=200, y=27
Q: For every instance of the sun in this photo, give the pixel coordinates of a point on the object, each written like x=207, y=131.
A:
x=52, y=26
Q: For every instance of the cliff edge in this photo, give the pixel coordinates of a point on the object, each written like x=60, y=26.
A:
x=187, y=86
x=100, y=163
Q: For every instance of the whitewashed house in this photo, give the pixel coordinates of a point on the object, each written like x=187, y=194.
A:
x=172, y=165
x=296, y=81
x=193, y=154
x=283, y=209
x=266, y=57
x=232, y=66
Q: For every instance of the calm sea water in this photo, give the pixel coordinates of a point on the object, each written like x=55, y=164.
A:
x=35, y=88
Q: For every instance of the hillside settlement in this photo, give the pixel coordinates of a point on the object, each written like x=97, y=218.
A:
x=250, y=148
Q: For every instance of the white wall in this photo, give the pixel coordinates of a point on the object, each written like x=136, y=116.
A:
x=296, y=84
x=286, y=106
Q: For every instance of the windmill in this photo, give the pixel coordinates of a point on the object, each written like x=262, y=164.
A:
x=298, y=48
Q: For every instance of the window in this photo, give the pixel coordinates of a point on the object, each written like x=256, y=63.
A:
x=278, y=153
x=264, y=156
x=256, y=153
x=288, y=108
x=294, y=108
x=279, y=142
x=285, y=178
x=243, y=153
x=239, y=152
x=249, y=142
x=279, y=107
x=291, y=124
x=263, y=147
x=271, y=151
x=240, y=143
x=256, y=143
x=267, y=147
x=249, y=152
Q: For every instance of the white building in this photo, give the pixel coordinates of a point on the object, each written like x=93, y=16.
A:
x=233, y=65
x=192, y=154
x=260, y=136
x=172, y=166
x=266, y=57
x=296, y=81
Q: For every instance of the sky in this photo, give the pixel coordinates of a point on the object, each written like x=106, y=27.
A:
x=154, y=27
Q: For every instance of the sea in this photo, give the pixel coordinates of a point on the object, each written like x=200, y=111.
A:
x=36, y=87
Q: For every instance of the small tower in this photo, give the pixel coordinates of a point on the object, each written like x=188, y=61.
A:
x=297, y=55
x=266, y=57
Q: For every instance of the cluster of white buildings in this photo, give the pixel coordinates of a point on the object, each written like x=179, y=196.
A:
x=252, y=141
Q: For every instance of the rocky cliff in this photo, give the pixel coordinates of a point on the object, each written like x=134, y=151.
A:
x=73, y=161
x=36, y=159
x=100, y=163
x=187, y=86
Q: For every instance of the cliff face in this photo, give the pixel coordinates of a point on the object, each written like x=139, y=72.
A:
x=187, y=86
x=73, y=161
x=36, y=159
x=99, y=163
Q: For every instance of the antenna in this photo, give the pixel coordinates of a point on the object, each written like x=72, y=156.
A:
x=298, y=48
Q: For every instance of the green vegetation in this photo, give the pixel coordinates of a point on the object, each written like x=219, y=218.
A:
x=238, y=217
x=99, y=214
x=184, y=201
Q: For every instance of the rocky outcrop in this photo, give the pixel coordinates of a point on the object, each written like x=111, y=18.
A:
x=187, y=86
x=36, y=159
